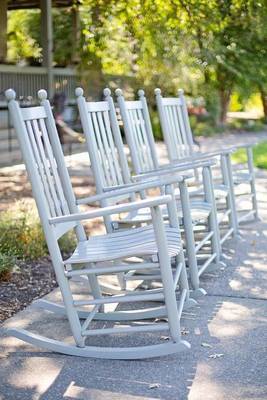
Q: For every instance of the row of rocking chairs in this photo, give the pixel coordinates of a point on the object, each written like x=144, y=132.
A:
x=165, y=224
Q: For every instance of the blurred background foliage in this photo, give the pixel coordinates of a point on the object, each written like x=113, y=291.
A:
x=214, y=49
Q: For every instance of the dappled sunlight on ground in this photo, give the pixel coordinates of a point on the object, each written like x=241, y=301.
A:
x=227, y=332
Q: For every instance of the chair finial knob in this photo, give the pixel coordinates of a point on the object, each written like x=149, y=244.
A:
x=10, y=94
x=141, y=93
x=157, y=91
x=118, y=92
x=42, y=94
x=107, y=92
x=180, y=92
x=79, y=92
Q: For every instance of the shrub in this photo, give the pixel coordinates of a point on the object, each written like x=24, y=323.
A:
x=7, y=262
x=22, y=237
x=21, y=234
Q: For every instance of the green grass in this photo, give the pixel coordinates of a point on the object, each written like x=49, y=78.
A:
x=259, y=154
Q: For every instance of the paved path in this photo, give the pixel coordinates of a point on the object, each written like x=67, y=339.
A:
x=231, y=319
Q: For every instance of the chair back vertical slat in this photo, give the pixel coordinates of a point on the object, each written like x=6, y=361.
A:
x=186, y=119
x=40, y=166
x=107, y=149
x=148, y=132
x=146, y=144
x=114, y=156
x=143, y=160
x=101, y=148
x=175, y=138
x=183, y=135
x=175, y=121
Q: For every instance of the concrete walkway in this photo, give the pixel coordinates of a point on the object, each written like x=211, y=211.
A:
x=227, y=332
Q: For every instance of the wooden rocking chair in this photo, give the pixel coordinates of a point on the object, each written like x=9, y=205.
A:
x=175, y=124
x=99, y=255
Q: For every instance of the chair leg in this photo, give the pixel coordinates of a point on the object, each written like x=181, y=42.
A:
x=252, y=182
x=189, y=237
x=71, y=312
x=232, y=193
x=189, y=301
x=174, y=222
x=230, y=200
x=166, y=274
x=212, y=221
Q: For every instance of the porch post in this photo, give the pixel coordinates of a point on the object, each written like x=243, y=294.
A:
x=47, y=42
x=76, y=33
x=3, y=30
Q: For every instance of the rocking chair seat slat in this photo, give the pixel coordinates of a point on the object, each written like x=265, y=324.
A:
x=132, y=243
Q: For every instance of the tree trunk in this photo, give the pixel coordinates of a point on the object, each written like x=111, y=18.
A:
x=264, y=101
x=225, y=95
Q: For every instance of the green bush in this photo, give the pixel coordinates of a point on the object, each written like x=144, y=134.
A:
x=21, y=234
x=22, y=237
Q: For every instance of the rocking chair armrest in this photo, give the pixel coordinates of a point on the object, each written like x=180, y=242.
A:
x=135, y=187
x=244, y=146
x=175, y=168
x=203, y=156
x=110, y=210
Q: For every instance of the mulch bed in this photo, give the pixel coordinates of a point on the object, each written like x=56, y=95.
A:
x=27, y=282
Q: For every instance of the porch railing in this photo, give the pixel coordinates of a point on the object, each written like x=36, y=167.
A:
x=28, y=80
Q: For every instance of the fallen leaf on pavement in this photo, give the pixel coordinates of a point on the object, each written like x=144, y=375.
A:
x=217, y=355
x=154, y=385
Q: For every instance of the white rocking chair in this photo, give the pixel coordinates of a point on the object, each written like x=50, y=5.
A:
x=99, y=255
x=175, y=124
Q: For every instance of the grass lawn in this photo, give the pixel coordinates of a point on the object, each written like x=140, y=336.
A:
x=259, y=153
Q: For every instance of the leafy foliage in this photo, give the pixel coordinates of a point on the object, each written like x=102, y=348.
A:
x=22, y=238
x=209, y=47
